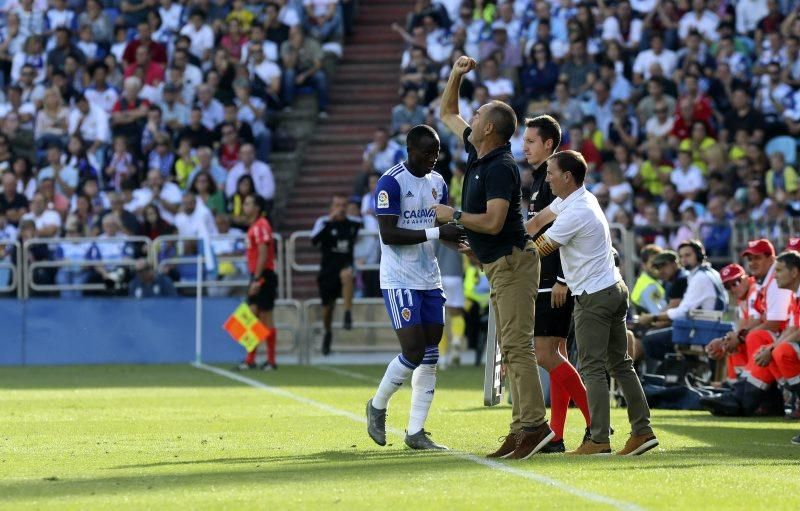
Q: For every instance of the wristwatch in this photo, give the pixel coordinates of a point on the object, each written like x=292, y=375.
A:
x=457, y=217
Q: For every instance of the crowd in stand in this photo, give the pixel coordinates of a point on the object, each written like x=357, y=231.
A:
x=147, y=117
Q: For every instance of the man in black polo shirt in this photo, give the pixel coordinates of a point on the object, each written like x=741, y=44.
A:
x=13, y=204
x=335, y=234
x=492, y=220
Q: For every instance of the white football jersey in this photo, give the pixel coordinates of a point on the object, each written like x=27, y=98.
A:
x=412, y=200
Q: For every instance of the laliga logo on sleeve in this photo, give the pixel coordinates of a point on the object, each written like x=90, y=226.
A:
x=435, y=194
x=383, y=199
x=406, y=314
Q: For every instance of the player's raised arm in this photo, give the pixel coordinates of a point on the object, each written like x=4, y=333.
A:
x=449, y=106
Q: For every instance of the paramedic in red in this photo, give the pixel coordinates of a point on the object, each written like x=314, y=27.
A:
x=264, y=282
x=744, y=289
x=754, y=391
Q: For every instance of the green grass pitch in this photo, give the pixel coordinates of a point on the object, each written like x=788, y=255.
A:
x=179, y=437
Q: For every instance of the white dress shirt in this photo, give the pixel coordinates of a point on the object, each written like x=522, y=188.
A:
x=582, y=231
x=702, y=292
x=262, y=179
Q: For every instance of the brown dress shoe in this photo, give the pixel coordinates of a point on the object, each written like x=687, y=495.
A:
x=531, y=442
x=591, y=448
x=638, y=444
x=509, y=444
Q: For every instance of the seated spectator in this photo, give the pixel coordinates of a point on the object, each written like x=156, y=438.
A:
x=194, y=219
x=665, y=58
x=206, y=162
x=322, y=19
x=54, y=200
x=153, y=225
x=77, y=251
x=205, y=189
x=65, y=176
x=623, y=129
x=244, y=188
x=100, y=93
x=781, y=179
x=149, y=284
x=704, y=291
x=212, y=112
x=234, y=40
x=302, y=67
x=51, y=120
x=174, y=114
x=660, y=125
x=261, y=172
x=164, y=194
x=13, y=204
x=97, y=20
x=717, y=236
x=26, y=181
x=121, y=165
x=500, y=88
x=162, y=157
x=129, y=115
x=699, y=142
x=687, y=177
x=648, y=295
x=196, y=130
x=381, y=154
x=508, y=47
x=108, y=247
x=28, y=66
x=201, y=35
x=539, y=75
x=567, y=108
x=584, y=146
x=152, y=71
x=407, y=114
x=144, y=39
x=689, y=227
x=229, y=147
x=265, y=76
x=90, y=122
x=46, y=221
x=420, y=75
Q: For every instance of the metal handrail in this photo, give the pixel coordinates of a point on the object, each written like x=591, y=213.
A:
x=28, y=268
x=181, y=259
x=16, y=279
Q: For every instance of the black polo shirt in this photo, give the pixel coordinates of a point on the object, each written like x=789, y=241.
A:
x=495, y=176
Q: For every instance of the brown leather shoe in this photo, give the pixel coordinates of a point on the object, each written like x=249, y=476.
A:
x=531, y=442
x=638, y=444
x=509, y=444
x=591, y=448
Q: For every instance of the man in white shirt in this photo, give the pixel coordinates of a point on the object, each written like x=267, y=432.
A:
x=194, y=219
x=656, y=54
x=261, y=173
x=47, y=221
x=581, y=232
x=200, y=35
x=91, y=122
x=705, y=291
x=65, y=176
x=212, y=110
x=701, y=20
x=165, y=195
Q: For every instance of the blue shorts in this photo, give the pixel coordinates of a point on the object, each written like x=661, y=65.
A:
x=409, y=307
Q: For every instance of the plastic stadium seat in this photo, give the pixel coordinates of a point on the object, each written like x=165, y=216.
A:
x=786, y=145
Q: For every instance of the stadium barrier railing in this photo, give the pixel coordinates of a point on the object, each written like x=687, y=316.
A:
x=299, y=247
x=10, y=278
x=372, y=331
x=129, y=243
x=237, y=259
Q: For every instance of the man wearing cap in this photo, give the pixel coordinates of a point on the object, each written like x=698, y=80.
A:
x=674, y=278
x=793, y=244
x=744, y=289
x=704, y=291
x=773, y=304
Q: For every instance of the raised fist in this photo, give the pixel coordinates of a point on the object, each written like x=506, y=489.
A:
x=464, y=65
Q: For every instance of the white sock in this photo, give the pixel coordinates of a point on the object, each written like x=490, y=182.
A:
x=396, y=375
x=423, y=383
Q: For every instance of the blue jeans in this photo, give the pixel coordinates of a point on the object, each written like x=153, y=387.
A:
x=75, y=276
x=317, y=81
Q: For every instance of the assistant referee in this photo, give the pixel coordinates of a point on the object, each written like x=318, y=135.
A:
x=581, y=231
x=492, y=220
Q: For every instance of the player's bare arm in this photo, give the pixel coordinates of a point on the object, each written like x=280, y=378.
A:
x=448, y=112
x=490, y=222
x=391, y=234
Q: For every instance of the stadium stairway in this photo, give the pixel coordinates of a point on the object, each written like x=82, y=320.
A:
x=362, y=94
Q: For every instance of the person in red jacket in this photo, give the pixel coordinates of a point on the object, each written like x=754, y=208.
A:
x=264, y=281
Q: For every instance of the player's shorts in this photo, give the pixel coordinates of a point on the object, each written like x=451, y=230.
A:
x=454, y=291
x=409, y=307
x=265, y=298
x=552, y=322
x=330, y=287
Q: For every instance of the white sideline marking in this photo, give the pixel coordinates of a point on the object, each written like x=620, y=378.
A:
x=494, y=465
x=349, y=374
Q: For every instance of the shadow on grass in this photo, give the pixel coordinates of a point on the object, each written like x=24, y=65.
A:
x=183, y=375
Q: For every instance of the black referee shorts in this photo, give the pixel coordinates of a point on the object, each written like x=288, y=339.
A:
x=330, y=287
x=265, y=298
x=552, y=322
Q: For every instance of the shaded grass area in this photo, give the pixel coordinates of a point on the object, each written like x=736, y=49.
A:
x=177, y=437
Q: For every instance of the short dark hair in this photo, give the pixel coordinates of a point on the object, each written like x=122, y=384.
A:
x=697, y=247
x=649, y=251
x=791, y=259
x=572, y=162
x=547, y=127
x=420, y=136
x=503, y=118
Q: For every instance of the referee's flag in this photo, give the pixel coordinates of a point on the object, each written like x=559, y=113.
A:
x=245, y=328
